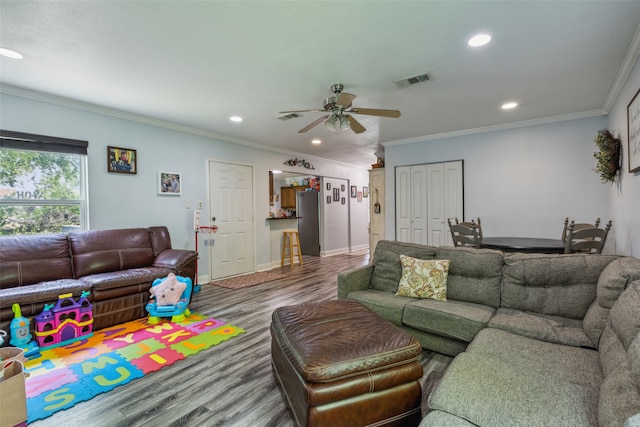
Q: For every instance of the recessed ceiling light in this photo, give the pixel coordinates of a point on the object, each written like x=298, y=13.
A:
x=509, y=105
x=10, y=53
x=235, y=118
x=316, y=141
x=479, y=40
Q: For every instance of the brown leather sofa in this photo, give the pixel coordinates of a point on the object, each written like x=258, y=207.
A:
x=117, y=266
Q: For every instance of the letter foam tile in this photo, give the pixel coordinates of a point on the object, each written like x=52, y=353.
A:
x=63, y=376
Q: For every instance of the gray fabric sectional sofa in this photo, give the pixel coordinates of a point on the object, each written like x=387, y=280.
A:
x=539, y=339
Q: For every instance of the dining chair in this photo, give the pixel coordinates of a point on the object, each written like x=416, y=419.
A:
x=463, y=235
x=578, y=226
x=586, y=240
x=470, y=224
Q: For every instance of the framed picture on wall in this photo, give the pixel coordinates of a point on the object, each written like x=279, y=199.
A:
x=328, y=199
x=359, y=196
x=122, y=160
x=344, y=200
x=169, y=183
x=365, y=191
x=336, y=194
x=633, y=129
x=328, y=186
x=354, y=191
x=342, y=187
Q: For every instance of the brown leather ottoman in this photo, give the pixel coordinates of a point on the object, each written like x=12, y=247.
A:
x=340, y=364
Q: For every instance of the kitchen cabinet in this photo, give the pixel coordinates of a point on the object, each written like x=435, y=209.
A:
x=288, y=196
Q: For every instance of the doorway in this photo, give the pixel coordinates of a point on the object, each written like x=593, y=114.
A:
x=231, y=210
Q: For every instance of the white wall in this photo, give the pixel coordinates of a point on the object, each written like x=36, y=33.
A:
x=520, y=182
x=122, y=201
x=624, y=195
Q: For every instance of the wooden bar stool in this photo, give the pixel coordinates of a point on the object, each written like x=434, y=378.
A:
x=291, y=241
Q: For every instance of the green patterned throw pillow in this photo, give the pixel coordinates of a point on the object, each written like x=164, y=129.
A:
x=423, y=278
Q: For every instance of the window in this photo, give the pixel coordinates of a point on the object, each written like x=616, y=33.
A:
x=42, y=184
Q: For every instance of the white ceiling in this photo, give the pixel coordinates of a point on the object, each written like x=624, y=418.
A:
x=196, y=63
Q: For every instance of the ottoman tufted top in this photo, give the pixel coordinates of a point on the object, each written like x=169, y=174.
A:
x=337, y=339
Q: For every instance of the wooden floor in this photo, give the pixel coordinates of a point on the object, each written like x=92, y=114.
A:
x=230, y=384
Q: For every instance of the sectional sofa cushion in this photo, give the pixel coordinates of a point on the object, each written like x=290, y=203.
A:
x=385, y=304
x=620, y=360
x=547, y=383
x=474, y=275
x=454, y=319
x=551, y=284
x=613, y=280
x=542, y=327
x=387, y=268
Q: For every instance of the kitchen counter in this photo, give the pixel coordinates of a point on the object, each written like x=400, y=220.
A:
x=277, y=226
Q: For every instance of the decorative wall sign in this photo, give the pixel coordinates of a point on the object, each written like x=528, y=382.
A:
x=169, y=183
x=122, y=160
x=633, y=129
x=299, y=162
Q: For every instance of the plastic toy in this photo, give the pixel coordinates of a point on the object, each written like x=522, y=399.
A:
x=20, y=329
x=177, y=311
x=65, y=321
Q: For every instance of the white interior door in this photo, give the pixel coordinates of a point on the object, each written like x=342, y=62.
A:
x=419, y=215
x=426, y=195
x=231, y=209
x=453, y=197
x=403, y=204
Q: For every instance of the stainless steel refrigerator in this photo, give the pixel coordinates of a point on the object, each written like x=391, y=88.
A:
x=308, y=209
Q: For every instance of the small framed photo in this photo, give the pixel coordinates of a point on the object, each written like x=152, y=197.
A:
x=344, y=200
x=354, y=191
x=328, y=199
x=359, y=196
x=343, y=187
x=169, y=183
x=328, y=186
x=122, y=160
x=365, y=191
x=336, y=194
x=633, y=133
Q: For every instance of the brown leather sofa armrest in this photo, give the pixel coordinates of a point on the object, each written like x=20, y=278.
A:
x=175, y=259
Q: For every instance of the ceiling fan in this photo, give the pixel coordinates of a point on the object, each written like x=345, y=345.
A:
x=340, y=110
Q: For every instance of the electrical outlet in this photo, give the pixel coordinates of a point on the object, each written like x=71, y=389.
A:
x=200, y=204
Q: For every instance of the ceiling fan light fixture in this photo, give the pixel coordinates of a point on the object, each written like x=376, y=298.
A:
x=330, y=123
x=344, y=123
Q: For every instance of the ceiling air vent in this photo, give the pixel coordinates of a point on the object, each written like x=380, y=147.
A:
x=408, y=81
x=288, y=116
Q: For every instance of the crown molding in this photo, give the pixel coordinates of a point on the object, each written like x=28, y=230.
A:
x=506, y=126
x=139, y=118
x=628, y=63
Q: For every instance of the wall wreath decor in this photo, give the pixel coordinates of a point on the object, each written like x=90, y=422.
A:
x=608, y=156
x=299, y=162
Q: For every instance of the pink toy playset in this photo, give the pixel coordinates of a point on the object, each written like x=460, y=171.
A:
x=65, y=321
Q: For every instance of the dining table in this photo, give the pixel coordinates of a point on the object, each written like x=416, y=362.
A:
x=524, y=244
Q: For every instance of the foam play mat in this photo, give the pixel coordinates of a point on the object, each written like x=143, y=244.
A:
x=63, y=376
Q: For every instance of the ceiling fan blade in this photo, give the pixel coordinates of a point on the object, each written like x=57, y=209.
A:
x=315, y=123
x=345, y=99
x=302, y=111
x=375, y=112
x=355, y=125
